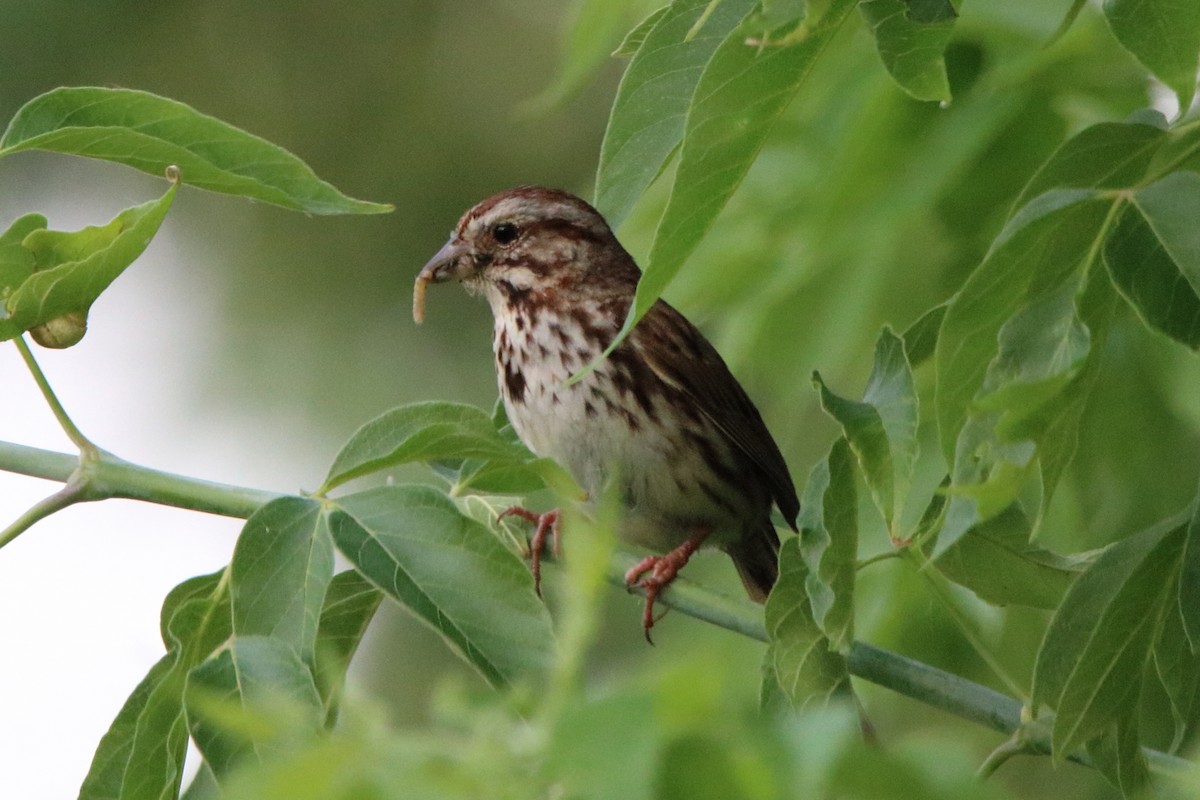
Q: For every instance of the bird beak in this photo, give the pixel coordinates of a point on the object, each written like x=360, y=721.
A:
x=451, y=263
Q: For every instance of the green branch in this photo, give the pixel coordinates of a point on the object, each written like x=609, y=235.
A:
x=110, y=476
x=87, y=450
x=66, y=496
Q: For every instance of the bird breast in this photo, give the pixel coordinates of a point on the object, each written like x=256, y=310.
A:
x=603, y=433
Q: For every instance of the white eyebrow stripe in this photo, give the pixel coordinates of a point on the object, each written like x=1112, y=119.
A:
x=523, y=209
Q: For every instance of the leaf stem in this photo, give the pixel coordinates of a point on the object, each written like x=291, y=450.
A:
x=1007, y=749
x=699, y=23
x=87, y=450
x=875, y=559
x=1066, y=23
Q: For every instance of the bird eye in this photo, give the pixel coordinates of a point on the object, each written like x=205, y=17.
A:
x=505, y=233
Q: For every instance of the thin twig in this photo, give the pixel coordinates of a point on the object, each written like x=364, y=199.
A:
x=1007, y=749
x=87, y=450
x=66, y=496
x=875, y=559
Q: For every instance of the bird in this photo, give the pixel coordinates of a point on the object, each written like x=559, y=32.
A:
x=661, y=421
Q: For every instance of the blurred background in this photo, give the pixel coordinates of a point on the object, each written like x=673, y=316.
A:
x=250, y=342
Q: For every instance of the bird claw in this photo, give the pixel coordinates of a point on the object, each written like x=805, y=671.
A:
x=662, y=570
x=546, y=526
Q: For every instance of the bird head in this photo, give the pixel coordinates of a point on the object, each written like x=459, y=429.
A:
x=526, y=243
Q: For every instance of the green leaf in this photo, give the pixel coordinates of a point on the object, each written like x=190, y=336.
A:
x=1117, y=754
x=987, y=476
x=1026, y=423
x=1189, y=580
x=107, y=776
x=422, y=432
x=72, y=269
x=203, y=786
x=249, y=701
x=771, y=699
x=1164, y=35
x=863, y=427
x=637, y=35
x=1096, y=648
x=150, y=133
x=882, y=430
x=498, y=477
x=350, y=605
x=1178, y=669
x=809, y=670
x=16, y=263
x=1040, y=248
x=1181, y=151
x=997, y=562
x=927, y=528
x=20, y=228
x=1109, y=155
x=1171, y=206
x=1017, y=317
x=740, y=95
x=920, y=339
x=778, y=12
x=829, y=543
x=196, y=616
x=911, y=36
x=141, y=756
x=650, y=110
x=1153, y=255
x=451, y=572
x=1056, y=426
x=1041, y=348
x=281, y=568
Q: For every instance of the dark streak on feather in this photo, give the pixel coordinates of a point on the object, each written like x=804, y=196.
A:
x=514, y=381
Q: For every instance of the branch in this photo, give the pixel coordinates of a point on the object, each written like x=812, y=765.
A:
x=66, y=496
x=110, y=476
x=114, y=477
x=85, y=445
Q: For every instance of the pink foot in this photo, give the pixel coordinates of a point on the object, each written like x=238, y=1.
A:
x=546, y=524
x=662, y=570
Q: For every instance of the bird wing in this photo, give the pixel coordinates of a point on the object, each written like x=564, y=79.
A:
x=681, y=357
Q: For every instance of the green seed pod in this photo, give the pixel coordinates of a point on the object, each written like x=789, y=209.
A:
x=61, y=332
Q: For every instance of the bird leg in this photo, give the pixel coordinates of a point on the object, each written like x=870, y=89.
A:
x=545, y=524
x=662, y=570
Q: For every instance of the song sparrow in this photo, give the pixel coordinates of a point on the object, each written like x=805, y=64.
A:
x=661, y=420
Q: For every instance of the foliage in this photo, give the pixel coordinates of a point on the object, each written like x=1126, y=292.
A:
x=1052, y=218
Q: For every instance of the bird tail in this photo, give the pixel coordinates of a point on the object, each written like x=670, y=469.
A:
x=756, y=556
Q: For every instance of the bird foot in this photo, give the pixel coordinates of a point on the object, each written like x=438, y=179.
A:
x=545, y=526
x=655, y=573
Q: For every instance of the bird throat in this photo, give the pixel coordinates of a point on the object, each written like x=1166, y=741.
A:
x=537, y=350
